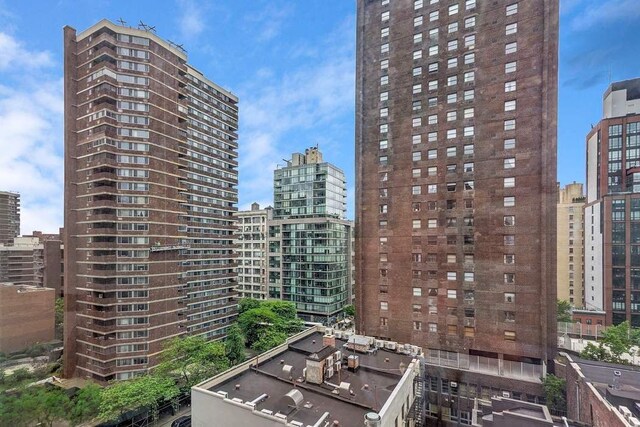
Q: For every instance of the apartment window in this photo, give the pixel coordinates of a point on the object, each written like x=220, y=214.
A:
x=509, y=220
x=469, y=276
x=469, y=76
x=509, y=182
x=509, y=297
x=384, y=128
x=415, y=173
x=509, y=240
x=432, y=119
x=452, y=80
x=384, y=112
x=509, y=259
x=468, y=131
x=384, y=305
x=452, y=98
x=417, y=21
x=432, y=223
x=417, y=292
x=453, y=9
x=510, y=105
x=416, y=224
x=417, y=88
x=470, y=4
x=417, y=54
x=384, y=144
x=384, y=16
x=510, y=67
x=384, y=32
x=416, y=190
x=417, y=4
x=383, y=209
x=452, y=45
x=512, y=9
x=469, y=185
x=509, y=316
x=451, y=133
x=416, y=122
x=452, y=293
x=433, y=67
x=384, y=80
x=510, y=163
x=468, y=149
x=432, y=188
x=451, y=116
x=451, y=168
x=417, y=71
x=417, y=326
x=433, y=50
x=383, y=258
x=470, y=22
x=511, y=48
x=451, y=275
x=384, y=177
x=511, y=28
x=417, y=308
x=510, y=124
x=509, y=335
x=432, y=136
x=384, y=48
x=451, y=151
x=416, y=156
x=468, y=167
x=451, y=186
x=383, y=321
x=432, y=171
x=433, y=327
x=469, y=58
x=384, y=2
x=469, y=95
x=416, y=106
x=416, y=139
x=452, y=28
x=384, y=64
x=510, y=86
x=417, y=38
x=509, y=201
x=433, y=16
x=470, y=41
x=509, y=144
x=432, y=154
x=452, y=62
x=468, y=113
x=384, y=96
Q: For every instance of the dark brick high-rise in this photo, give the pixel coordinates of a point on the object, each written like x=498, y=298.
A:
x=456, y=177
x=150, y=189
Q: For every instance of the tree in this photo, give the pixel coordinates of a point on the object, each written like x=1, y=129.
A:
x=123, y=396
x=594, y=352
x=564, y=311
x=193, y=358
x=59, y=312
x=234, y=345
x=247, y=304
x=283, y=309
x=269, y=339
x=85, y=405
x=350, y=310
x=555, y=390
x=44, y=405
x=615, y=342
x=254, y=321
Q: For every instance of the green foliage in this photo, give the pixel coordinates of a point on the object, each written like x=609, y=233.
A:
x=616, y=341
x=59, y=310
x=85, y=405
x=193, y=358
x=269, y=339
x=234, y=345
x=283, y=309
x=555, y=390
x=124, y=396
x=255, y=321
x=564, y=311
x=350, y=310
x=247, y=304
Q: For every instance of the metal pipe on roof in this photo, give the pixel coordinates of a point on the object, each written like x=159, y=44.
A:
x=321, y=420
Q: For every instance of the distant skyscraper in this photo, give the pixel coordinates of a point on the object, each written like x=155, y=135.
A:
x=9, y=216
x=570, y=244
x=251, y=241
x=309, y=238
x=456, y=185
x=150, y=192
x=612, y=210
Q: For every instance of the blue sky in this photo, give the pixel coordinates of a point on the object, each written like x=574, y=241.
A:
x=291, y=62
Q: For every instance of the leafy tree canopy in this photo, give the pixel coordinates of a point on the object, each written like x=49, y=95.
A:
x=564, y=311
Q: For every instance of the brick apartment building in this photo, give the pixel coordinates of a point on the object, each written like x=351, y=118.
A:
x=456, y=189
x=150, y=190
x=9, y=216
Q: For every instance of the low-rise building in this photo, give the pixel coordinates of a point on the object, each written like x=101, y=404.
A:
x=315, y=380
x=27, y=316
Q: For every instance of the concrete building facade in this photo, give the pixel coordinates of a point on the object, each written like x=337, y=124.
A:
x=612, y=210
x=27, y=316
x=570, y=247
x=9, y=216
x=309, y=241
x=150, y=193
x=251, y=240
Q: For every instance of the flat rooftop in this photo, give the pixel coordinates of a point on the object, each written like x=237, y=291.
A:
x=601, y=374
x=371, y=385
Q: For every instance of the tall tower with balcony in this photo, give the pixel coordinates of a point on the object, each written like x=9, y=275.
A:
x=150, y=190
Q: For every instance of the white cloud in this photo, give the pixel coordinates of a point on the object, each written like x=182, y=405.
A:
x=606, y=12
x=31, y=107
x=190, y=21
x=269, y=21
x=275, y=110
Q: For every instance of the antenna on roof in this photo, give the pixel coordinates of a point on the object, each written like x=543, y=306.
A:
x=122, y=22
x=152, y=28
x=143, y=26
x=179, y=46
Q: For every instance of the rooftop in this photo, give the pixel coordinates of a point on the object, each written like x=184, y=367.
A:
x=367, y=388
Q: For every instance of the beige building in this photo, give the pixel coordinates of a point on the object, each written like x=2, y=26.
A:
x=570, y=244
x=27, y=316
x=251, y=239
